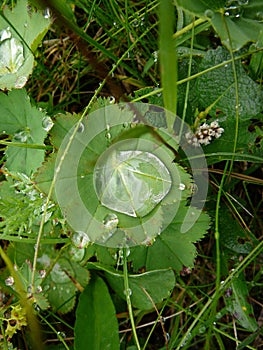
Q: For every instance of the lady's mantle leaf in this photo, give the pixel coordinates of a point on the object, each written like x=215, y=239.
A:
x=219, y=84
x=172, y=249
x=146, y=288
x=24, y=123
x=96, y=325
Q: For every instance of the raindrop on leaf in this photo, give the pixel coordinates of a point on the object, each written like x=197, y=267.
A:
x=11, y=56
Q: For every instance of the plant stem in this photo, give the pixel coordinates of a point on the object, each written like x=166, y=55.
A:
x=128, y=297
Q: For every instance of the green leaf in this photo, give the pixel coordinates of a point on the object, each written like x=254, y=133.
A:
x=172, y=249
x=156, y=284
x=96, y=326
x=21, y=31
x=247, y=147
x=24, y=122
x=236, y=299
x=219, y=84
x=59, y=284
x=241, y=19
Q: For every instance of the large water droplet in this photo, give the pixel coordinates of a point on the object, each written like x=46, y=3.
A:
x=58, y=275
x=47, y=13
x=11, y=56
x=80, y=239
x=131, y=182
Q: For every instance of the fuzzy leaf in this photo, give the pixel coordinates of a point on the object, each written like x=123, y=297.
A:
x=24, y=122
x=219, y=84
x=22, y=31
x=158, y=284
x=96, y=326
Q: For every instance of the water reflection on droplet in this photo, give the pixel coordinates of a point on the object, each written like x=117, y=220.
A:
x=112, y=99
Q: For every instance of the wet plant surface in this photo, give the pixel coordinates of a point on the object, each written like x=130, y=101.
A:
x=131, y=174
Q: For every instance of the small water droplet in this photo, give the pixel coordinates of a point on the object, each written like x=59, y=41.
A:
x=81, y=128
x=108, y=135
x=155, y=56
x=21, y=136
x=202, y=329
x=47, y=13
x=259, y=16
x=209, y=13
x=9, y=281
x=82, y=176
x=126, y=125
x=112, y=99
x=5, y=34
x=25, y=25
x=181, y=186
x=128, y=292
x=29, y=289
x=243, y=2
x=110, y=221
x=47, y=123
x=20, y=82
x=135, y=23
x=80, y=239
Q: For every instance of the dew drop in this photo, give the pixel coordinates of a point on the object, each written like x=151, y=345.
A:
x=128, y=292
x=126, y=125
x=243, y=2
x=110, y=222
x=47, y=13
x=259, y=16
x=80, y=239
x=181, y=186
x=202, y=330
x=21, y=136
x=108, y=135
x=112, y=99
x=20, y=82
x=9, y=281
x=5, y=34
x=47, y=123
x=81, y=128
x=209, y=13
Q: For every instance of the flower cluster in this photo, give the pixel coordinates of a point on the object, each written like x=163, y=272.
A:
x=204, y=134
